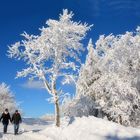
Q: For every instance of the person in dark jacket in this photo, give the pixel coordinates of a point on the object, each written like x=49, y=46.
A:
x=16, y=120
x=5, y=117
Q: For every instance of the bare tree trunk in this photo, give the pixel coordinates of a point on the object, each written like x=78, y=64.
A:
x=57, y=112
x=120, y=119
x=53, y=92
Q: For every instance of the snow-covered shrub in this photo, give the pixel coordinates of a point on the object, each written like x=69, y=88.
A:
x=80, y=106
x=7, y=99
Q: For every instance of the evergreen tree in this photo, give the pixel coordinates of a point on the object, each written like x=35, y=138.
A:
x=89, y=71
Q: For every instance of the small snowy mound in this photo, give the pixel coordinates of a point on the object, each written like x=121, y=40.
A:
x=91, y=128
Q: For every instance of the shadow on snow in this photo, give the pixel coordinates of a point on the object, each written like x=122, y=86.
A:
x=109, y=137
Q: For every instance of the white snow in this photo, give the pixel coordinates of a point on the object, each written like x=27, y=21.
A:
x=85, y=128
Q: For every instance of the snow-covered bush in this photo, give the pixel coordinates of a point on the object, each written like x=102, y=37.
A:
x=7, y=99
x=80, y=106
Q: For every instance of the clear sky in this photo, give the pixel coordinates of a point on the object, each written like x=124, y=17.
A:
x=16, y=16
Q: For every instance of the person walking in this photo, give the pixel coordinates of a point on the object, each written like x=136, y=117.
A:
x=16, y=120
x=5, y=117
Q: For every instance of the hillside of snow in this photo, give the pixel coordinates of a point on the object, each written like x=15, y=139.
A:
x=85, y=128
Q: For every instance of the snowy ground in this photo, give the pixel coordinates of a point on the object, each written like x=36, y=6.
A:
x=27, y=130
x=85, y=128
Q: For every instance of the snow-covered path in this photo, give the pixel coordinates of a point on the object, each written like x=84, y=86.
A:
x=26, y=136
x=85, y=128
x=28, y=130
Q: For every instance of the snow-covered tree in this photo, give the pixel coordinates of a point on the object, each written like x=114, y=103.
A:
x=7, y=99
x=53, y=55
x=89, y=71
x=83, y=103
x=120, y=65
x=112, y=81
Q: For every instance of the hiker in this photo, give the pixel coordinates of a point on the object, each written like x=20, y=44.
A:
x=16, y=120
x=5, y=117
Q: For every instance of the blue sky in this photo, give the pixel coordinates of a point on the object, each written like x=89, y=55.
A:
x=16, y=16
